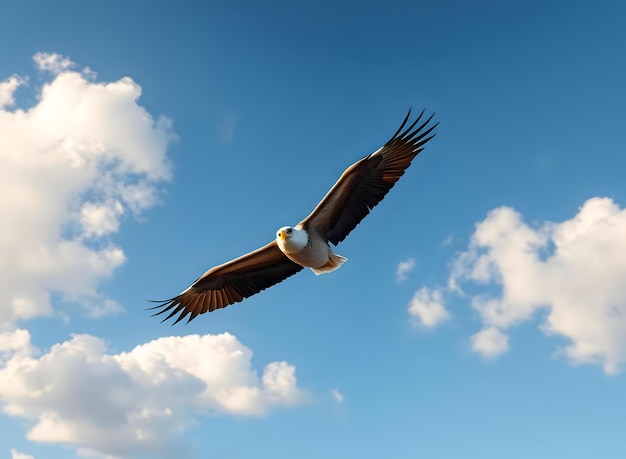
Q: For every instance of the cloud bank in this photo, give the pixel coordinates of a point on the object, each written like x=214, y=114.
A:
x=119, y=405
x=573, y=272
x=73, y=166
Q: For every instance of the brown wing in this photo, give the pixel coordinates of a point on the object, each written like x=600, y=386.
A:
x=366, y=182
x=231, y=282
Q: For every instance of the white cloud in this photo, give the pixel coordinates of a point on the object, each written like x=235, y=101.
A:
x=71, y=168
x=14, y=343
x=7, y=88
x=118, y=405
x=574, y=270
x=52, y=62
x=427, y=307
x=404, y=268
x=337, y=395
x=89, y=74
x=18, y=455
x=102, y=218
x=490, y=342
x=14, y=340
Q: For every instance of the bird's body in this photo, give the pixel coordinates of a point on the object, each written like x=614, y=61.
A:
x=309, y=249
x=361, y=187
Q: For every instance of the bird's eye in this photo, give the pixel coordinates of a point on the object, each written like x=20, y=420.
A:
x=288, y=230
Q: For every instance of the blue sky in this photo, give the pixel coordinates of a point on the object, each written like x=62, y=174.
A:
x=145, y=142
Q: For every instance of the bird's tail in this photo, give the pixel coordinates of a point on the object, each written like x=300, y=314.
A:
x=334, y=262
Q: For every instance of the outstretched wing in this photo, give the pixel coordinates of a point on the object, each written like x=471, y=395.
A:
x=366, y=182
x=231, y=282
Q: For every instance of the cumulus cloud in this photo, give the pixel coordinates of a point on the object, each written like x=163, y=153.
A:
x=18, y=455
x=14, y=342
x=7, y=88
x=72, y=167
x=52, y=62
x=490, y=342
x=118, y=405
x=574, y=271
x=427, y=307
x=404, y=268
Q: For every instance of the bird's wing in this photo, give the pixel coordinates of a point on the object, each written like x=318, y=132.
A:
x=366, y=182
x=231, y=282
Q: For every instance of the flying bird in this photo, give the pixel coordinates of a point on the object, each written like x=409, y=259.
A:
x=352, y=197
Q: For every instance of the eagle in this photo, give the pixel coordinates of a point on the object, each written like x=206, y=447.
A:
x=307, y=244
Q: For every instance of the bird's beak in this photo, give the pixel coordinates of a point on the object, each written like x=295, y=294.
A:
x=282, y=235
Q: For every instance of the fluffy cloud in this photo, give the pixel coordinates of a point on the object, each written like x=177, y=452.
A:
x=71, y=168
x=52, y=62
x=427, y=307
x=404, y=268
x=18, y=455
x=490, y=342
x=14, y=342
x=117, y=405
x=7, y=89
x=574, y=271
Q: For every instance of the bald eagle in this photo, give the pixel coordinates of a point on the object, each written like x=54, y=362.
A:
x=307, y=244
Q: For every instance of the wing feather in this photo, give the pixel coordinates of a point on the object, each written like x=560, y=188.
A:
x=230, y=283
x=365, y=183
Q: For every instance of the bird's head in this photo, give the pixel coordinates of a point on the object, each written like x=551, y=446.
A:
x=284, y=233
x=291, y=239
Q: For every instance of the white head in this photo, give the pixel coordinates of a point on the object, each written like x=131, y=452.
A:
x=291, y=240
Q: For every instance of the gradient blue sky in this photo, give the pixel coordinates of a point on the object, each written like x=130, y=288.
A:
x=269, y=103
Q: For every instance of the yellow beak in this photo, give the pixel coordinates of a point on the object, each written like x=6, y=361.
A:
x=282, y=235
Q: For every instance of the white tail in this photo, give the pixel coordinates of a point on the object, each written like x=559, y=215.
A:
x=334, y=262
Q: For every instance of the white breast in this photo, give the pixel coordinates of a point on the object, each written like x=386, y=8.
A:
x=310, y=252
